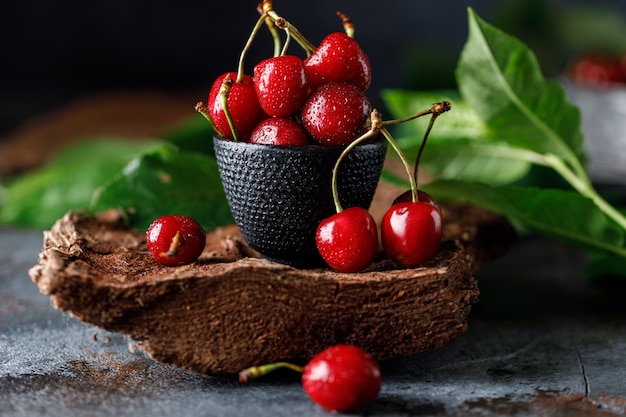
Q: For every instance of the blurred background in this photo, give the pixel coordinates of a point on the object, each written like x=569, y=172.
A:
x=53, y=52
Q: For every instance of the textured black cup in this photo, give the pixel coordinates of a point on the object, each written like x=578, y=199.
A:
x=278, y=195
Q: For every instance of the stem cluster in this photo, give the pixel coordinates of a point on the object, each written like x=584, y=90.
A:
x=376, y=126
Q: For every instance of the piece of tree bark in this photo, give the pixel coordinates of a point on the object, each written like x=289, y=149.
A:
x=231, y=310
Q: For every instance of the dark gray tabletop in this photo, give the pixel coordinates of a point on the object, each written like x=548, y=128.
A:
x=542, y=341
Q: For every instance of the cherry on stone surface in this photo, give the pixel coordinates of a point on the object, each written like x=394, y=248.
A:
x=280, y=131
x=335, y=113
x=281, y=85
x=411, y=233
x=242, y=103
x=342, y=378
x=338, y=58
x=348, y=240
x=175, y=240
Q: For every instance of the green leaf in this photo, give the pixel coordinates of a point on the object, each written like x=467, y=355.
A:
x=192, y=134
x=38, y=198
x=473, y=162
x=565, y=215
x=604, y=264
x=500, y=79
x=460, y=144
x=167, y=181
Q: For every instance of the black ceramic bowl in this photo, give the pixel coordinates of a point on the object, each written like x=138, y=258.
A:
x=278, y=195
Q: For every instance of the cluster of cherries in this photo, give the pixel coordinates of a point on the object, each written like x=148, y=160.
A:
x=293, y=101
x=604, y=70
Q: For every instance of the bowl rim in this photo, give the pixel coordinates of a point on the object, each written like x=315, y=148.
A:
x=299, y=148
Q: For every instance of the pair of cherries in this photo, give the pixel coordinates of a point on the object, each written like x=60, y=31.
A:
x=411, y=229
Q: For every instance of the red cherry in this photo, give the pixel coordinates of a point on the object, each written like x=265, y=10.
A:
x=338, y=58
x=175, y=240
x=422, y=196
x=598, y=70
x=348, y=240
x=342, y=378
x=411, y=233
x=280, y=131
x=335, y=113
x=281, y=85
x=243, y=105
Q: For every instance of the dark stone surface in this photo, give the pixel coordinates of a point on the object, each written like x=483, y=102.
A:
x=541, y=341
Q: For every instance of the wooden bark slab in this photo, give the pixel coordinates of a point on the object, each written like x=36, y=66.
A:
x=231, y=309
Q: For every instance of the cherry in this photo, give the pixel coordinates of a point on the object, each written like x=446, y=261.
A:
x=411, y=233
x=600, y=70
x=342, y=378
x=335, y=113
x=348, y=240
x=281, y=85
x=338, y=58
x=175, y=240
x=242, y=103
x=280, y=131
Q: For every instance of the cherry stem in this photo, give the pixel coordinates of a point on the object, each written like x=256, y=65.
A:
x=348, y=24
x=266, y=8
x=258, y=371
x=437, y=108
x=375, y=126
x=227, y=83
x=202, y=109
x=272, y=28
x=282, y=24
x=174, y=248
x=431, y=123
x=406, y=164
x=246, y=48
x=435, y=111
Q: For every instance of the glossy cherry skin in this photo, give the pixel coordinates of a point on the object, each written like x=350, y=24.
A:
x=338, y=58
x=348, y=240
x=281, y=85
x=411, y=233
x=175, y=240
x=280, y=131
x=422, y=196
x=599, y=70
x=242, y=103
x=342, y=378
x=335, y=113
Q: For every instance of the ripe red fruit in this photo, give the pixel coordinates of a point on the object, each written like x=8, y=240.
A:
x=335, y=113
x=411, y=233
x=342, y=378
x=338, y=58
x=422, y=196
x=175, y=240
x=243, y=105
x=281, y=85
x=348, y=240
x=598, y=70
x=280, y=131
